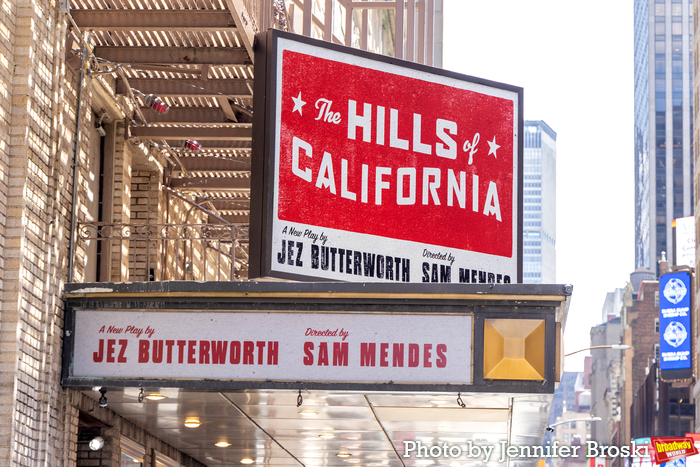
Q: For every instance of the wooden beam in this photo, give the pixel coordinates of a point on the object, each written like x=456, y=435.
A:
x=177, y=55
x=237, y=219
x=178, y=133
x=152, y=20
x=228, y=205
x=168, y=69
x=226, y=108
x=224, y=145
x=191, y=115
x=193, y=87
x=208, y=183
x=205, y=164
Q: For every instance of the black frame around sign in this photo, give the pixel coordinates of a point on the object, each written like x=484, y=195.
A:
x=514, y=301
x=262, y=161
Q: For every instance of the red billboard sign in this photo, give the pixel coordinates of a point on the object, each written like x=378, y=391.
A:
x=669, y=449
x=380, y=170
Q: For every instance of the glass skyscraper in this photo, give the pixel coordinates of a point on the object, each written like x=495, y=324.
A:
x=663, y=124
x=539, y=203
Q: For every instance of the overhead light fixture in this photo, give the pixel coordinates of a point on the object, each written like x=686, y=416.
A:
x=343, y=454
x=192, y=422
x=222, y=444
x=96, y=443
x=103, y=398
x=247, y=460
x=445, y=427
x=438, y=401
x=191, y=145
x=353, y=461
x=156, y=104
x=308, y=412
x=326, y=436
x=155, y=397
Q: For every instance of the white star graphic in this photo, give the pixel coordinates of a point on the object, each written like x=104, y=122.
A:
x=493, y=147
x=298, y=103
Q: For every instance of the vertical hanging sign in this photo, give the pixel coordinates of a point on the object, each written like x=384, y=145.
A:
x=369, y=168
x=684, y=241
x=675, y=331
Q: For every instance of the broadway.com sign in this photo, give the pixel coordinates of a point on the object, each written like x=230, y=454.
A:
x=278, y=346
x=382, y=170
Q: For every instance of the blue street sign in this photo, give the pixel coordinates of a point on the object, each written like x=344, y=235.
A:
x=674, y=321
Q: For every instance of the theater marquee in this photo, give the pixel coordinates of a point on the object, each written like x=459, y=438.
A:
x=332, y=347
x=368, y=168
x=312, y=335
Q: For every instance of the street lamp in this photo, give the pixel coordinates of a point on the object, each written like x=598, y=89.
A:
x=595, y=347
x=550, y=428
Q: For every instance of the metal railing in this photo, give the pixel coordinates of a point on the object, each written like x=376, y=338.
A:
x=160, y=252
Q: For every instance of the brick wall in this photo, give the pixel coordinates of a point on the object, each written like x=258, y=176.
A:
x=146, y=209
x=37, y=426
x=644, y=337
x=121, y=206
x=639, y=332
x=8, y=348
x=38, y=114
x=38, y=110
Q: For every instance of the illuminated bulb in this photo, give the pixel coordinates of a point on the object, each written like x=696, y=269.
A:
x=326, y=436
x=247, y=460
x=96, y=443
x=155, y=397
x=308, y=412
x=445, y=427
x=343, y=454
x=192, y=423
x=222, y=444
x=438, y=401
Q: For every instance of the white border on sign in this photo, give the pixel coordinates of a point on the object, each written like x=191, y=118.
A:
x=391, y=246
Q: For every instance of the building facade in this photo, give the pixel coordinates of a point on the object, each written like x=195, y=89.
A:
x=605, y=381
x=663, y=94
x=539, y=203
x=98, y=184
x=613, y=304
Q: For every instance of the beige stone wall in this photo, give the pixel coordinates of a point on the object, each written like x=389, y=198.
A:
x=146, y=209
x=37, y=426
x=38, y=110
